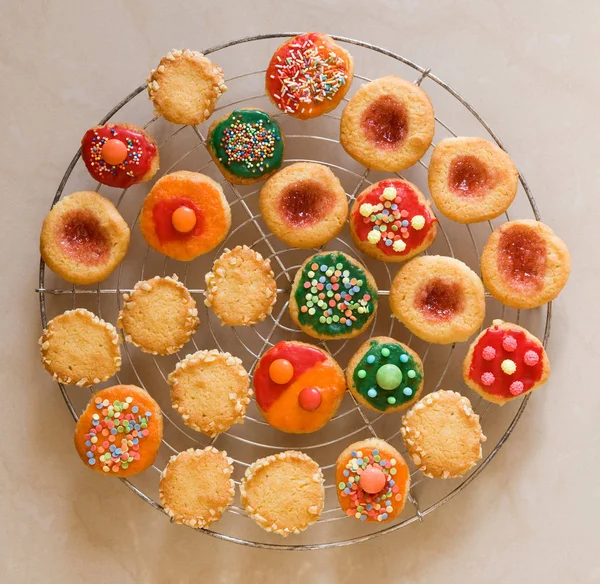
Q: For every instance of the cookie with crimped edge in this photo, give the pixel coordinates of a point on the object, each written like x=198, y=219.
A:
x=78, y=347
x=196, y=486
x=524, y=264
x=185, y=86
x=210, y=390
x=283, y=492
x=439, y=299
x=159, y=316
x=241, y=287
x=443, y=435
x=372, y=481
x=471, y=179
x=504, y=362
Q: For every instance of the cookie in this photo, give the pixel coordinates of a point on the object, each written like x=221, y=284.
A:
x=471, y=179
x=309, y=75
x=241, y=287
x=439, y=299
x=79, y=348
x=120, y=431
x=210, y=390
x=372, y=481
x=504, y=362
x=185, y=215
x=119, y=155
x=159, y=316
x=246, y=145
x=284, y=492
x=84, y=238
x=443, y=435
x=185, y=86
x=333, y=296
x=392, y=221
x=385, y=375
x=304, y=205
x=196, y=486
x=388, y=124
x=524, y=264
x=298, y=387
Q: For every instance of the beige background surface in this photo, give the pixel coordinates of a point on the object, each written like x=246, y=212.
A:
x=531, y=69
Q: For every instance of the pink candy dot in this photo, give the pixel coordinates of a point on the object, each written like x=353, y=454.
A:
x=488, y=353
x=509, y=343
x=516, y=387
x=531, y=358
x=487, y=378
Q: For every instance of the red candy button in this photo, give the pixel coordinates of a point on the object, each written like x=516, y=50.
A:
x=183, y=219
x=310, y=399
x=114, y=151
x=281, y=371
x=372, y=480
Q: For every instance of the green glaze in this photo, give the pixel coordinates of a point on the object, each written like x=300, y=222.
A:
x=248, y=143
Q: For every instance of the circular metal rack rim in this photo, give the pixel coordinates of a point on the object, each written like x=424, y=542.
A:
x=420, y=514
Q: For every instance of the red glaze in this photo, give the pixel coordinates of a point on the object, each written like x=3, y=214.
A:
x=140, y=154
x=309, y=399
x=385, y=122
x=528, y=375
x=302, y=359
x=522, y=255
x=468, y=176
x=83, y=239
x=305, y=203
x=440, y=299
x=163, y=222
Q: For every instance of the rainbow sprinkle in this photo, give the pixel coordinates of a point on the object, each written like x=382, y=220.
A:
x=250, y=144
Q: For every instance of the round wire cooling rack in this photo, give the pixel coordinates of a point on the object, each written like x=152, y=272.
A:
x=312, y=141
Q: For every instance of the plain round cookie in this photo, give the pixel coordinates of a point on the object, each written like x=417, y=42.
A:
x=196, y=486
x=210, y=390
x=372, y=481
x=185, y=86
x=84, y=238
x=385, y=375
x=241, y=287
x=439, y=299
x=471, y=179
x=388, y=124
x=283, y=492
x=159, y=316
x=120, y=431
x=304, y=204
x=443, y=435
x=79, y=348
x=524, y=264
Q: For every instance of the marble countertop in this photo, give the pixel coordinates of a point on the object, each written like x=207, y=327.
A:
x=528, y=67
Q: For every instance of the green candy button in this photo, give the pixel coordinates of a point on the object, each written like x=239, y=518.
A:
x=389, y=376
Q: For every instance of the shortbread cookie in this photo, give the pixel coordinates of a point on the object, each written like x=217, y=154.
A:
x=443, y=435
x=211, y=391
x=79, y=348
x=241, y=287
x=284, y=492
x=159, y=316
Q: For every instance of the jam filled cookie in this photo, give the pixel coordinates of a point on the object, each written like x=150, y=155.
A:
x=504, y=362
x=309, y=75
x=196, y=486
x=439, y=299
x=185, y=87
x=119, y=155
x=298, y=387
x=385, y=375
x=120, y=431
x=185, y=215
x=388, y=124
x=241, y=287
x=78, y=347
x=159, y=316
x=524, y=264
x=247, y=145
x=84, y=238
x=284, y=492
x=304, y=205
x=333, y=296
x=372, y=480
x=211, y=391
x=443, y=435
x=392, y=221
x=471, y=179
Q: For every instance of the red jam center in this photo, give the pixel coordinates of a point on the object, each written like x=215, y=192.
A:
x=440, y=299
x=83, y=239
x=162, y=213
x=468, y=176
x=522, y=256
x=385, y=122
x=305, y=203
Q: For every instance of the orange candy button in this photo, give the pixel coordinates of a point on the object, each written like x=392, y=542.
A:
x=281, y=371
x=372, y=480
x=183, y=219
x=114, y=151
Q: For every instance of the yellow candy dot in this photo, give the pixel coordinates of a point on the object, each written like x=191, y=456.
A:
x=418, y=222
x=509, y=366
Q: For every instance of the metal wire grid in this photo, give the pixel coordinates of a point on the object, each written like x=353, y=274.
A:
x=285, y=271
